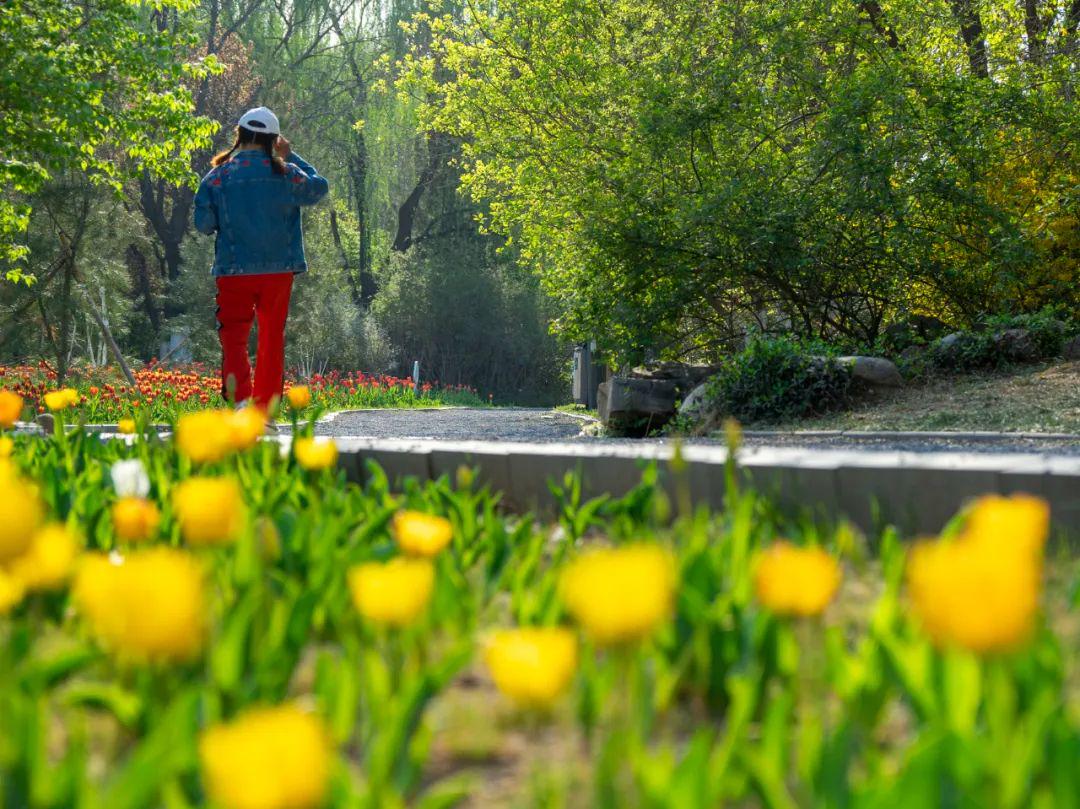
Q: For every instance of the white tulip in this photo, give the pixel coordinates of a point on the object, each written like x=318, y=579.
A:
x=129, y=478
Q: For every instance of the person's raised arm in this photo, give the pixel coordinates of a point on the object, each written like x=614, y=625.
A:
x=306, y=184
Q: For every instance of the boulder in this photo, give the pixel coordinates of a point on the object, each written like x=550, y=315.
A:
x=1016, y=345
x=875, y=371
x=694, y=404
x=950, y=341
x=1071, y=349
x=684, y=375
x=635, y=406
x=946, y=352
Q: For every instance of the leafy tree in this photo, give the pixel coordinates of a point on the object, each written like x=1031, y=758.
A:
x=96, y=87
x=681, y=172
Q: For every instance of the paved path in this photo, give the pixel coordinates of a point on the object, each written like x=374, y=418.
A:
x=456, y=424
x=539, y=425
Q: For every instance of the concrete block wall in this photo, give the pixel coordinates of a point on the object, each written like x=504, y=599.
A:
x=919, y=492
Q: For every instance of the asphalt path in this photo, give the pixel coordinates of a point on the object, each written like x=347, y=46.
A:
x=540, y=425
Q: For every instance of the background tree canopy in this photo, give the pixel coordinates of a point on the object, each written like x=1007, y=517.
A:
x=661, y=176
x=111, y=111
x=681, y=171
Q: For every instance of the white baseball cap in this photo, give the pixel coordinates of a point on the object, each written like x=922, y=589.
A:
x=260, y=119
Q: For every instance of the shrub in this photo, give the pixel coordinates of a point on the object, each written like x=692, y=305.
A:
x=983, y=347
x=965, y=351
x=778, y=378
x=1047, y=329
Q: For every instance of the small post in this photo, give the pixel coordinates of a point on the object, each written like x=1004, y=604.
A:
x=416, y=377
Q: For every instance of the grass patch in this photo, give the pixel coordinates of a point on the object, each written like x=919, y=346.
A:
x=578, y=410
x=1042, y=398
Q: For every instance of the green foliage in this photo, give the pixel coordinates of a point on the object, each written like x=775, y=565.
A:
x=777, y=378
x=141, y=88
x=100, y=88
x=470, y=316
x=1047, y=328
x=679, y=172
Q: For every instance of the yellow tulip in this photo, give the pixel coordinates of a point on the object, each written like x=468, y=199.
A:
x=148, y=606
x=394, y=593
x=7, y=446
x=135, y=519
x=971, y=595
x=532, y=666
x=206, y=436
x=789, y=580
x=299, y=397
x=61, y=399
x=1018, y=524
x=11, y=405
x=316, y=453
x=267, y=758
x=210, y=510
x=420, y=534
x=980, y=591
x=12, y=591
x=620, y=595
x=248, y=424
x=21, y=514
x=50, y=559
x=126, y=426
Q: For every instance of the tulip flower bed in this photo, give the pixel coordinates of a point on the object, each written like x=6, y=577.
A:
x=161, y=393
x=212, y=621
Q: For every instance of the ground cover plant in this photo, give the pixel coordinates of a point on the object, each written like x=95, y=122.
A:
x=217, y=620
x=161, y=393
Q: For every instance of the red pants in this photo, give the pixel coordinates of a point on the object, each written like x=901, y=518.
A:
x=240, y=299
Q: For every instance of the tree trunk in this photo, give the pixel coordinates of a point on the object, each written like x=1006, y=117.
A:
x=63, y=348
x=1072, y=22
x=971, y=29
x=410, y=207
x=876, y=17
x=1034, y=29
x=335, y=232
x=142, y=286
x=367, y=284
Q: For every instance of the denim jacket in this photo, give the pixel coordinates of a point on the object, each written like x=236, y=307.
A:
x=256, y=213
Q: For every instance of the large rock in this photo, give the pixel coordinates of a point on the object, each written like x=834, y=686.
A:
x=636, y=406
x=693, y=406
x=684, y=375
x=950, y=341
x=949, y=350
x=1071, y=349
x=875, y=371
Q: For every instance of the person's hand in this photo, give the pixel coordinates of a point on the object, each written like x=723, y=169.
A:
x=282, y=147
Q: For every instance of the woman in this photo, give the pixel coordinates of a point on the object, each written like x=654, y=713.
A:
x=252, y=199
